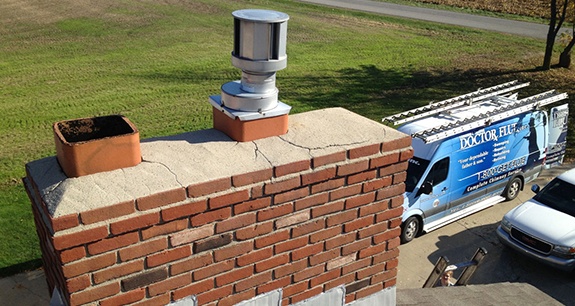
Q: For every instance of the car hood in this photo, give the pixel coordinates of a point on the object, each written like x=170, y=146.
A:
x=543, y=222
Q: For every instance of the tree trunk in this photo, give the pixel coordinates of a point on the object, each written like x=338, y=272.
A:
x=550, y=37
x=565, y=57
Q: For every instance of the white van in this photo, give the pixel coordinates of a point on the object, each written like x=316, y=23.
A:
x=476, y=150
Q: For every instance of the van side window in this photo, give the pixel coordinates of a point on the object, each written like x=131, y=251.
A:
x=438, y=172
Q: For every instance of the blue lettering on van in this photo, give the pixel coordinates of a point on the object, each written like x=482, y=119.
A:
x=501, y=168
x=482, y=136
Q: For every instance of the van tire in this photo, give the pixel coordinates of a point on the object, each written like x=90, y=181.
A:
x=410, y=229
x=513, y=188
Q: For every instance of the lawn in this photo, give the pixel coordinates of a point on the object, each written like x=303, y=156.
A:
x=157, y=62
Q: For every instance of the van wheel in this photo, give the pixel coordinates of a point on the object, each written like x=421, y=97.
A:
x=409, y=229
x=513, y=189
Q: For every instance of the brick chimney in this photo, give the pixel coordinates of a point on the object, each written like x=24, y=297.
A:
x=211, y=220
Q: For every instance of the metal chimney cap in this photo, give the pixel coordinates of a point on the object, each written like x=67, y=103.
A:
x=264, y=16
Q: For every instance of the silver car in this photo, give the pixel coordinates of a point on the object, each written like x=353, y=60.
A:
x=543, y=228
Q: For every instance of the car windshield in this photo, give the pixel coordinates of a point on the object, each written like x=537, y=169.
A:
x=558, y=195
x=415, y=170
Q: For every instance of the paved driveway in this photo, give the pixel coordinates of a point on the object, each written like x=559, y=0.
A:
x=459, y=241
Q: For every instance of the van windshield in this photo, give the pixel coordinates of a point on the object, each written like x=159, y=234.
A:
x=415, y=169
x=558, y=195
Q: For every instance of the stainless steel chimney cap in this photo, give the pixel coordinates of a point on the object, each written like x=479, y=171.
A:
x=264, y=16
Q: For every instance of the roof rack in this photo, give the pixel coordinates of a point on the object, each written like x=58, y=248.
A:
x=509, y=108
x=438, y=107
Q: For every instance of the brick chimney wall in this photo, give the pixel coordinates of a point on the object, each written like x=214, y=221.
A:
x=316, y=208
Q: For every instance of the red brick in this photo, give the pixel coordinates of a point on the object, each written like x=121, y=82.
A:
x=214, y=295
x=191, y=263
x=339, y=241
x=229, y=199
x=112, y=243
x=213, y=269
x=360, y=200
x=202, y=189
x=256, y=230
x=252, y=205
x=392, y=169
x=367, y=291
x=143, y=249
x=254, y=281
x=358, y=223
x=236, y=298
x=389, y=214
x=399, y=177
x=65, y=222
x=329, y=159
x=145, y=278
x=118, y=270
x=88, y=265
x=211, y=216
x=252, y=177
x=383, y=276
x=325, y=234
x=396, y=222
x=233, y=250
x=327, y=185
x=373, y=208
x=393, y=243
x=290, y=244
x=257, y=191
x=161, y=199
x=157, y=259
x=108, y=212
x=327, y=209
x=318, y=176
x=325, y=277
x=281, y=186
x=125, y=298
x=170, y=284
x=71, y=240
x=382, y=257
x=272, y=239
x=324, y=257
x=274, y=284
x=396, y=201
x=344, y=192
x=340, y=262
x=364, y=151
x=384, y=160
x=295, y=289
x=234, y=275
x=308, y=273
x=135, y=223
x=193, y=289
x=212, y=242
x=235, y=222
x=356, y=265
x=268, y=264
x=392, y=282
x=361, y=177
x=406, y=154
x=274, y=212
x=373, y=250
x=94, y=293
x=345, y=279
x=290, y=168
x=388, y=235
x=341, y=217
x=372, y=230
x=313, y=200
x=290, y=269
x=291, y=195
x=306, y=295
x=254, y=256
x=73, y=254
x=78, y=283
x=191, y=235
x=354, y=247
x=293, y=219
x=352, y=168
x=396, y=144
x=184, y=210
x=307, y=228
x=377, y=184
x=166, y=228
x=369, y=271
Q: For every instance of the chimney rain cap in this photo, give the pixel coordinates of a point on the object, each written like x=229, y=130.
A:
x=264, y=16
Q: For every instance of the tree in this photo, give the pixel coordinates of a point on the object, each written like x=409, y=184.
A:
x=556, y=19
x=565, y=57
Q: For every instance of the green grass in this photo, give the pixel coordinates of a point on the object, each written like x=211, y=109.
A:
x=157, y=64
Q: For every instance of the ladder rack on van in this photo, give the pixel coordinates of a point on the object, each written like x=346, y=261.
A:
x=438, y=107
x=508, y=108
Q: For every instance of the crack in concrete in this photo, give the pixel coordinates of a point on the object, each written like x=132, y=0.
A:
x=323, y=147
x=168, y=168
x=257, y=151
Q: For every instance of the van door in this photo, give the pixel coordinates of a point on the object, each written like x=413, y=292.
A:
x=557, y=135
x=437, y=184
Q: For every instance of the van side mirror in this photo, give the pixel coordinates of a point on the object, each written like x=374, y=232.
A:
x=535, y=188
x=426, y=188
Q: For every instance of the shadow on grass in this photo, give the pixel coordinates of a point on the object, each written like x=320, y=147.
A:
x=21, y=267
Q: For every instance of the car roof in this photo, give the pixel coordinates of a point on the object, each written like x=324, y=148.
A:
x=568, y=176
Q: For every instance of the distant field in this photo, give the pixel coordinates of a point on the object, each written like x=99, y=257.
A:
x=532, y=8
x=157, y=61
